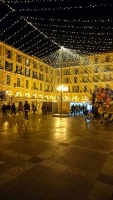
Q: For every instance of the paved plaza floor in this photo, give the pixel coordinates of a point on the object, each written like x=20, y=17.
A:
x=53, y=158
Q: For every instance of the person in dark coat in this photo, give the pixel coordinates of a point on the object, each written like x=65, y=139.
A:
x=4, y=108
x=8, y=108
x=26, y=109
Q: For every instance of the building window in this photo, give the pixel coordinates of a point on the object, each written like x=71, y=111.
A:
x=85, y=61
x=27, y=62
x=34, y=85
x=41, y=68
x=51, y=88
x=107, y=68
x=19, y=58
x=40, y=86
x=8, y=66
x=8, y=80
x=66, y=80
x=66, y=72
x=35, y=65
x=47, y=88
x=96, y=69
x=75, y=89
x=8, y=54
x=18, y=82
x=27, y=84
x=18, y=69
x=46, y=70
x=75, y=71
x=46, y=78
x=34, y=74
x=75, y=79
x=27, y=72
x=85, y=88
x=41, y=77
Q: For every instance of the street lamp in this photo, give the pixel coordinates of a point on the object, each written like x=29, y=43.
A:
x=62, y=89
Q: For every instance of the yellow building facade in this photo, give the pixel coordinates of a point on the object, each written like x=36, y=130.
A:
x=23, y=76
x=27, y=77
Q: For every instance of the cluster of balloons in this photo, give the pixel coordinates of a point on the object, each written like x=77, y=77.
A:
x=103, y=96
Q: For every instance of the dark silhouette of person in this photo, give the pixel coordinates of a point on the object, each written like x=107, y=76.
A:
x=13, y=109
x=26, y=109
x=4, y=108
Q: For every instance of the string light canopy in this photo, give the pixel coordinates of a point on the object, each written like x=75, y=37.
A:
x=41, y=27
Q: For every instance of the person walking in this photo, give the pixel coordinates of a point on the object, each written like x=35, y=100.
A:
x=4, y=108
x=8, y=110
x=13, y=108
x=26, y=110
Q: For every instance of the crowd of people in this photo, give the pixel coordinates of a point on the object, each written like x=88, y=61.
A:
x=8, y=110
x=102, y=105
x=77, y=109
x=45, y=109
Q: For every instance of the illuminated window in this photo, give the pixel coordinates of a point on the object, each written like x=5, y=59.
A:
x=41, y=68
x=85, y=88
x=75, y=89
x=19, y=58
x=75, y=79
x=46, y=69
x=8, y=80
x=34, y=74
x=27, y=72
x=27, y=62
x=8, y=66
x=96, y=69
x=41, y=77
x=76, y=71
x=35, y=65
x=8, y=54
x=27, y=84
x=18, y=82
x=40, y=86
x=34, y=85
x=18, y=69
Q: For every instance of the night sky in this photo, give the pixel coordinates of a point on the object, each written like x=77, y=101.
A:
x=40, y=27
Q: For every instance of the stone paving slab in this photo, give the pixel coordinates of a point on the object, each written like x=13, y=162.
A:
x=50, y=158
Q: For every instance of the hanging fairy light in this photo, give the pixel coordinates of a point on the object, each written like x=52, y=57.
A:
x=84, y=34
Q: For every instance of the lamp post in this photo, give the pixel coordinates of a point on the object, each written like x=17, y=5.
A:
x=61, y=80
x=62, y=88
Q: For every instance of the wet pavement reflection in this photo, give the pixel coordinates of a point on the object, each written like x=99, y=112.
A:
x=55, y=158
